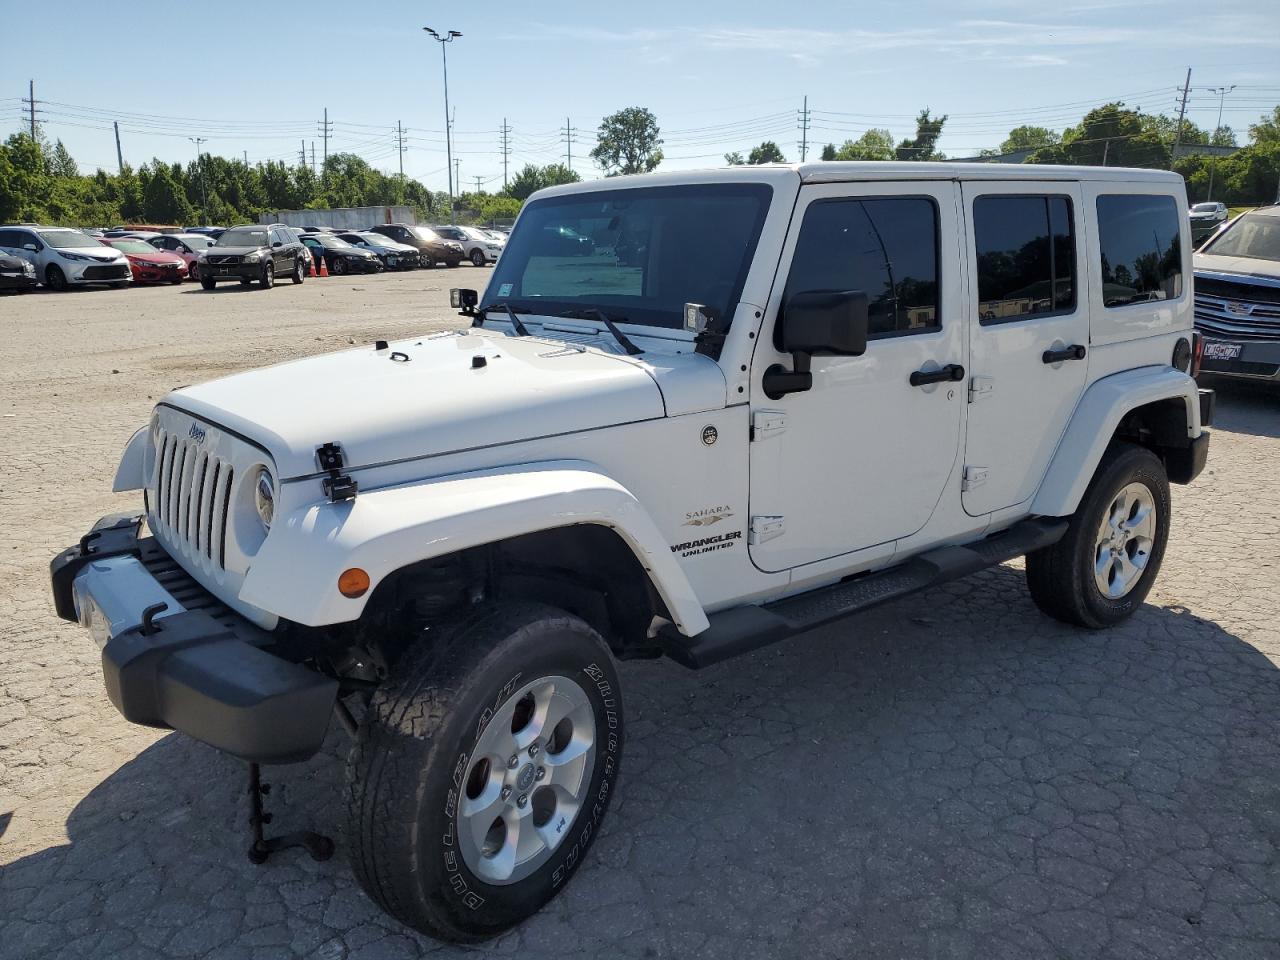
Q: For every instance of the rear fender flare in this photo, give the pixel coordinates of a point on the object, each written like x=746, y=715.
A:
x=1094, y=423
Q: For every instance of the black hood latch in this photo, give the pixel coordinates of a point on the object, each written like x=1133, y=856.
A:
x=337, y=486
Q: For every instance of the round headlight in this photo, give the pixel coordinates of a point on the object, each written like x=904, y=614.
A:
x=264, y=497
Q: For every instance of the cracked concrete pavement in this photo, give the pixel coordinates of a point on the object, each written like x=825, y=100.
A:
x=950, y=776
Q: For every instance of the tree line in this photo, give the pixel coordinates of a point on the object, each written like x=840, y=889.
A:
x=41, y=182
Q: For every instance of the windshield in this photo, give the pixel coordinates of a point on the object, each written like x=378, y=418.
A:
x=425, y=233
x=196, y=241
x=1254, y=235
x=133, y=246
x=68, y=239
x=1205, y=207
x=243, y=237
x=638, y=254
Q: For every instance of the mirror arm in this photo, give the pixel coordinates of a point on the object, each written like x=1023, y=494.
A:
x=778, y=381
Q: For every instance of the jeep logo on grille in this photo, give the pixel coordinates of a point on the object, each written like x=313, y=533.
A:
x=196, y=433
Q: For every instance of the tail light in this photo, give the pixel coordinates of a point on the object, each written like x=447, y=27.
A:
x=1197, y=353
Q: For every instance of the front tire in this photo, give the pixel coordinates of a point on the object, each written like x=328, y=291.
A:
x=482, y=770
x=268, y=277
x=477, y=258
x=54, y=278
x=1100, y=572
x=208, y=283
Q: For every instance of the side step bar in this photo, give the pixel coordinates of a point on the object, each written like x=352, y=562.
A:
x=743, y=629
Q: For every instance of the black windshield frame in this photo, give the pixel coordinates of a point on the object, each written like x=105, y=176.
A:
x=540, y=215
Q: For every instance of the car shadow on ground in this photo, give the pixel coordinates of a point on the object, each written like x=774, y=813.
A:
x=953, y=775
x=1244, y=406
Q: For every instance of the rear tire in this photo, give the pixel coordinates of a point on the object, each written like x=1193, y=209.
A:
x=1100, y=572
x=299, y=270
x=456, y=761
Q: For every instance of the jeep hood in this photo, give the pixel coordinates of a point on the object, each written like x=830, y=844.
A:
x=441, y=393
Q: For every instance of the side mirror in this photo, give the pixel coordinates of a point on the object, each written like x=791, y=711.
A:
x=464, y=300
x=31, y=246
x=822, y=322
x=277, y=244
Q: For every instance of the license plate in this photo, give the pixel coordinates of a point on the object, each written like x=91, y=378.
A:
x=392, y=261
x=1221, y=351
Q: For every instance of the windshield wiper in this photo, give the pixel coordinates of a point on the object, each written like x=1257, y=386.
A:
x=623, y=340
x=521, y=329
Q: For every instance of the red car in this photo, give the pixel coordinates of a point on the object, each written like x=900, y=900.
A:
x=148, y=264
x=188, y=246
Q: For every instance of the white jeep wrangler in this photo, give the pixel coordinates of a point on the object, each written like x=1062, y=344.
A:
x=692, y=414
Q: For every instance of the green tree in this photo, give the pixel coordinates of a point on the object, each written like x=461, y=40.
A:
x=1267, y=129
x=875, y=144
x=1224, y=136
x=923, y=146
x=1114, y=136
x=1029, y=138
x=628, y=142
x=163, y=198
x=29, y=182
x=767, y=152
x=533, y=178
x=61, y=163
x=734, y=159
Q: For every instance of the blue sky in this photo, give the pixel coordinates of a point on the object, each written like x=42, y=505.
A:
x=719, y=76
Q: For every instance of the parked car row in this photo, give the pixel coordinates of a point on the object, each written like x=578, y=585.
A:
x=61, y=257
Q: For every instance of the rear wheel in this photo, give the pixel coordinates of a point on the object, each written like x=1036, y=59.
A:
x=338, y=267
x=194, y=271
x=299, y=270
x=1100, y=572
x=482, y=770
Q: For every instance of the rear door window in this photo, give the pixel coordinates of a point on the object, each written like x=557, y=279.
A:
x=1140, y=243
x=1026, y=257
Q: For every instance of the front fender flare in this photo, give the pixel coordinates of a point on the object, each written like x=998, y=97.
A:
x=1094, y=423
x=295, y=573
x=131, y=473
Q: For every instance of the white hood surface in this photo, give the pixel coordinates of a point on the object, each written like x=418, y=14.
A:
x=425, y=397
x=1249, y=266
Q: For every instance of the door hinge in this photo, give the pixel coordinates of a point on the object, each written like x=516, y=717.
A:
x=337, y=486
x=767, y=423
x=973, y=477
x=765, y=528
x=980, y=387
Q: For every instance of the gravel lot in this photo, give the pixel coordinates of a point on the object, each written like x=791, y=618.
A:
x=952, y=776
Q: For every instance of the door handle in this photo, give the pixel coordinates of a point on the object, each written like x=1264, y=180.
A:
x=951, y=372
x=1074, y=352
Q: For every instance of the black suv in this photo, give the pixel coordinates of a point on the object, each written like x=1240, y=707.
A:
x=252, y=252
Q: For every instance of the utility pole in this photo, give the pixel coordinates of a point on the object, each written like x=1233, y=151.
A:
x=119, y=152
x=457, y=179
x=302, y=154
x=449, y=37
x=1106, y=148
x=1182, y=112
x=325, y=128
x=400, y=148
x=246, y=159
x=804, y=131
x=1213, y=163
x=568, y=137
x=204, y=195
x=477, y=184
x=313, y=158
x=30, y=101
x=506, y=151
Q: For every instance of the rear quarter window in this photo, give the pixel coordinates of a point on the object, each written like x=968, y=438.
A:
x=1139, y=240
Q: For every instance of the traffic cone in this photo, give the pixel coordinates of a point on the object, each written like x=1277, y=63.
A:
x=313, y=266
x=324, y=268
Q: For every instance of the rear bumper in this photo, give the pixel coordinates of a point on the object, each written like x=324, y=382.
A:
x=174, y=657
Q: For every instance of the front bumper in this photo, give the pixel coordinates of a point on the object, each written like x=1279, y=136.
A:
x=76, y=272
x=231, y=271
x=175, y=657
x=148, y=273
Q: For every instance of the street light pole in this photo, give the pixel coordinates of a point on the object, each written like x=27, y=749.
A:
x=1222, y=99
x=204, y=194
x=448, y=125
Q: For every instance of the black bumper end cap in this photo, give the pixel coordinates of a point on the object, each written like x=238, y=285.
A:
x=212, y=681
x=1208, y=406
x=112, y=536
x=1184, y=464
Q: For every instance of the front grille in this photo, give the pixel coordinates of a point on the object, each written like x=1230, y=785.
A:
x=223, y=259
x=115, y=272
x=181, y=585
x=193, y=495
x=1237, y=310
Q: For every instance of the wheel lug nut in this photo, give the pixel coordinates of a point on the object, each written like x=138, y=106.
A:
x=521, y=800
x=542, y=772
x=513, y=762
x=533, y=749
x=506, y=793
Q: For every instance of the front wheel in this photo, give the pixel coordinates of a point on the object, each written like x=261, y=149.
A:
x=477, y=258
x=1099, y=573
x=208, y=283
x=482, y=770
x=268, y=277
x=54, y=278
